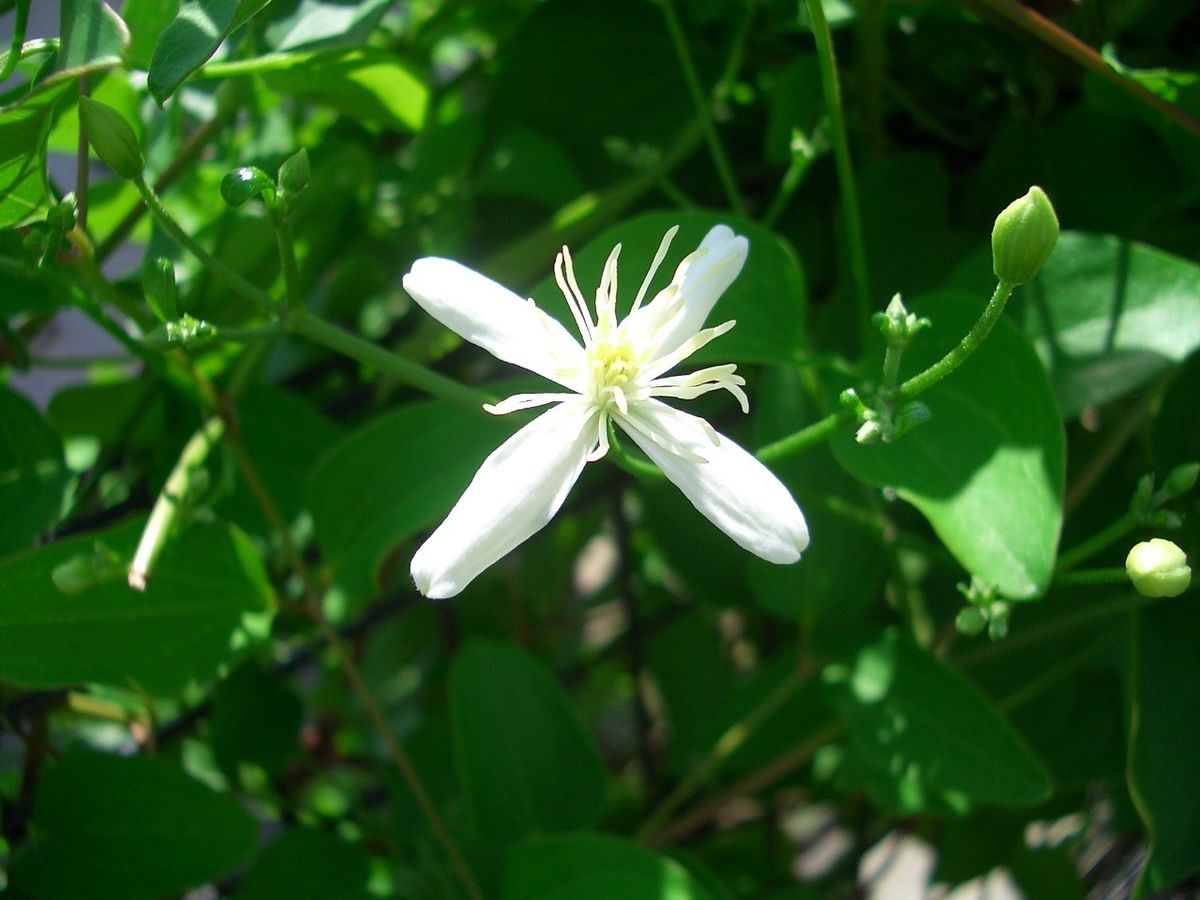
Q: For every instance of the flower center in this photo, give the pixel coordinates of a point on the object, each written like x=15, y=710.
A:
x=613, y=366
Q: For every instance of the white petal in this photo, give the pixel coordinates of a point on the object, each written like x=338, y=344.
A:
x=493, y=317
x=699, y=281
x=516, y=491
x=732, y=489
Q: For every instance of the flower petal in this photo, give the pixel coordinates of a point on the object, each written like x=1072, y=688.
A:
x=493, y=317
x=516, y=491
x=699, y=282
x=732, y=489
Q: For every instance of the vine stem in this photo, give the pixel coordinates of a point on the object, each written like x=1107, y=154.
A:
x=316, y=329
x=734, y=737
x=1097, y=542
x=703, y=108
x=958, y=355
x=832, y=93
x=346, y=662
x=806, y=437
x=235, y=281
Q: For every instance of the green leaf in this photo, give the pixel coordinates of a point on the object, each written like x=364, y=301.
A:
x=768, y=298
x=931, y=730
x=32, y=473
x=308, y=24
x=376, y=488
x=596, y=867
x=1106, y=315
x=146, y=19
x=1164, y=742
x=93, y=38
x=285, y=436
x=192, y=38
x=305, y=864
x=24, y=129
x=525, y=762
x=128, y=828
x=987, y=471
x=366, y=83
x=178, y=629
x=119, y=412
x=255, y=719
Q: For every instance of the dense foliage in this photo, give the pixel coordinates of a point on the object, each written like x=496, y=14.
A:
x=214, y=667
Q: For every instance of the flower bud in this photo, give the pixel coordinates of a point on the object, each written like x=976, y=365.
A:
x=1158, y=568
x=294, y=173
x=1181, y=479
x=1024, y=237
x=247, y=182
x=111, y=137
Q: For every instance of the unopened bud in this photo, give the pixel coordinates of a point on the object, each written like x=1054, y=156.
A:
x=1024, y=237
x=1158, y=568
x=294, y=173
x=245, y=183
x=111, y=137
x=1181, y=479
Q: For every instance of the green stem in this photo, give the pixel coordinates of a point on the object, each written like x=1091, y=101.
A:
x=170, y=501
x=1097, y=542
x=1056, y=673
x=639, y=468
x=832, y=92
x=703, y=109
x=18, y=39
x=317, y=330
x=235, y=281
x=957, y=356
x=287, y=260
x=806, y=437
x=734, y=737
x=1084, y=577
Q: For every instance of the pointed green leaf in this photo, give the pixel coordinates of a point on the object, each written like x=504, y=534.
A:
x=128, y=828
x=930, y=731
x=192, y=38
x=596, y=867
x=32, y=473
x=525, y=762
x=24, y=129
x=93, y=38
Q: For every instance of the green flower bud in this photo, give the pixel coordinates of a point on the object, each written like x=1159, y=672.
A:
x=1158, y=568
x=158, y=283
x=897, y=324
x=1024, y=237
x=245, y=183
x=111, y=137
x=1181, y=479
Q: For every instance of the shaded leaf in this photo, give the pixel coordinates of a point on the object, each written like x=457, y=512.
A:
x=525, y=762
x=596, y=867
x=1164, y=742
x=128, y=828
x=32, y=473
x=377, y=488
x=987, y=471
x=255, y=719
x=24, y=129
x=305, y=864
x=93, y=38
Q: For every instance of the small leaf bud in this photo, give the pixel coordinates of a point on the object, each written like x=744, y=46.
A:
x=294, y=173
x=245, y=183
x=971, y=620
x=908, y=417
x=158, y=283
x=61, y=216
x=897, y=324
x=1180, y=480
x=111, y=137
x=1158, y=568
x=1024, y=237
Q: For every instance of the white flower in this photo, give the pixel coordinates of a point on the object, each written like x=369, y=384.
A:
x=618, y=374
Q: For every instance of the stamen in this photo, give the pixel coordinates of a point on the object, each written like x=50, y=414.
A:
x=689, y=387
x=518, y=402
x=671, y=447
x=587, y=315
x=663, y=247
x=601, y=448
x=686, y=349
x=606, y=294
x=574, y=301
